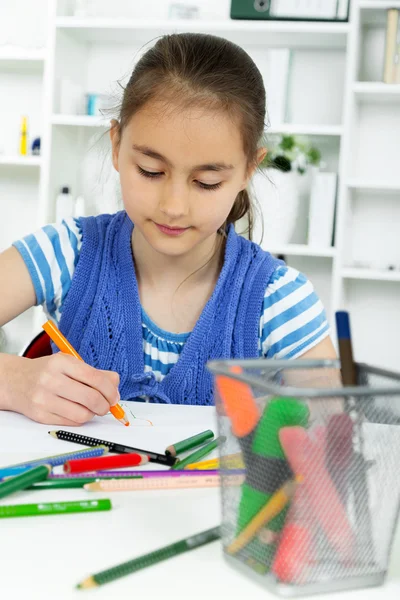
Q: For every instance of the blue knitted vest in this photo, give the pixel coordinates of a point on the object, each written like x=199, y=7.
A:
x=101, y=315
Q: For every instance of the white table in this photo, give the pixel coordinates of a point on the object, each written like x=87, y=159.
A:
x=43, y=558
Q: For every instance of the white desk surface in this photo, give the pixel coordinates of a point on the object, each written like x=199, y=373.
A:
x=43, y=558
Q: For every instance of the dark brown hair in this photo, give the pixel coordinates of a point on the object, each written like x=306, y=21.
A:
x=198, y=69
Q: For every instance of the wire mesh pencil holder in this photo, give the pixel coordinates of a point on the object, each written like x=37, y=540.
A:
x=318, y=507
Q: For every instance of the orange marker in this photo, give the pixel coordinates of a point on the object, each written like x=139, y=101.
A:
x=239, y=403
x=64, y=346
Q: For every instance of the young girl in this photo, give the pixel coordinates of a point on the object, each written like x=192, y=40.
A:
x=148, y=295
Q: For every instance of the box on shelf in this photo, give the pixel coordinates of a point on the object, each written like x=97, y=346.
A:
x=322, y=209
x=293, y=10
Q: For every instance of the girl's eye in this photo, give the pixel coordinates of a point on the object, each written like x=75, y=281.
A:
x=149, y=174
x=154, y=175
x=209, y=186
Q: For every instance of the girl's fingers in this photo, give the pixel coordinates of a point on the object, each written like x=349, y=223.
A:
x=79, y=393
x=65, y=410
x=52, y=419
x=104, y=382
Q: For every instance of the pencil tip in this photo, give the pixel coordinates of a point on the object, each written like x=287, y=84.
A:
x=53, y=433
x=86, y=584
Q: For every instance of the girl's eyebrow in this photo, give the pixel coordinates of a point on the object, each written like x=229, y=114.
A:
x=217, y=166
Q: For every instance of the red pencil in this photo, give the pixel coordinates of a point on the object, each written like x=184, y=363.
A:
x=98, y=464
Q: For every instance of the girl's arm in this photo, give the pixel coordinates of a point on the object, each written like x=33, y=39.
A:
x=57, y=389
x=17, y=291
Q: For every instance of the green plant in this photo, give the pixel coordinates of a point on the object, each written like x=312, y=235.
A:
x=289, y=153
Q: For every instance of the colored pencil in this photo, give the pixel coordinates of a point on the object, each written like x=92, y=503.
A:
x=189, y=443
x=73, y=482
x=53, y=508
x=203, y=451
x=21, y=482
x=77, y=438
x=64, y=346
x=12, y=471
x=273, y=507
x=147, y=560
x=230, y=461
x=161, y=483
x=145, y=474
x=105, y=462
x=53, y=461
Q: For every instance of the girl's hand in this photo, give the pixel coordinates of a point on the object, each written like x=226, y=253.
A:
x=61, y=390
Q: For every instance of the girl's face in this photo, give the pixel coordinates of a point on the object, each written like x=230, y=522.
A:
x=180, y=173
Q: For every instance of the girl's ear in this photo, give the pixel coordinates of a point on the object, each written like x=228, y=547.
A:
x=115, y=141
x=261, y=154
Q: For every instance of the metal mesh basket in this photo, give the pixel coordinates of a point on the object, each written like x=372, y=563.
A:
x=317, y=506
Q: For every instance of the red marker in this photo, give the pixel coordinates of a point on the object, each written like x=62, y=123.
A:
x=307, y=458
x=293, y=555
x=98, y=463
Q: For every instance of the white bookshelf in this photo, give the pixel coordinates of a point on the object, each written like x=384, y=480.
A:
x=307, y=130
x=366, y=91
x=78, y=121
x=20, y=161
x=371, y=185
x=303, y=250
x=335, y=96
x=370, y=274
x=279, y=34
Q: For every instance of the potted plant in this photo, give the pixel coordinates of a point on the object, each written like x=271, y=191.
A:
x=276, y=188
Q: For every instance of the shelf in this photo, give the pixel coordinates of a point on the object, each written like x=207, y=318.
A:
x=303, y=250
x=377, y=92
x=295, y=129
x=20, y=161
x=79, y=121
x=319, y=130
x=272, y=33
x=24, y=59
x=373, y=186
x=371, y=274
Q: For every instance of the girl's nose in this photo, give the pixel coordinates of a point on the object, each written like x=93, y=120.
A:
x=174, y=202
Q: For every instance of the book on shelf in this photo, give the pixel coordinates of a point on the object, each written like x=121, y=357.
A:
x=322, y=209
x=291, y=10
x=391, y=70
x=276, y=84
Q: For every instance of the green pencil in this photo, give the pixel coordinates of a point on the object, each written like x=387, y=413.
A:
x=53, y=508
x=25, y=480
x=200, y=453
x=147, y=560
x=189, y=443
x=74, y=482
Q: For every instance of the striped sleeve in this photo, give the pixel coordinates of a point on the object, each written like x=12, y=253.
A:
x=51, y=255
x=293, y=319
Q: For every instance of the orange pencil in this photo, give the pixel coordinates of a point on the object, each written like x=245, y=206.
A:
x=64, y=346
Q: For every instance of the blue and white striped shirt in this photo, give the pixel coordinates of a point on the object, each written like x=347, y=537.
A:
x=292, y=319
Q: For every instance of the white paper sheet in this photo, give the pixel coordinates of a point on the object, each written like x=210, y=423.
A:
x=22, y=439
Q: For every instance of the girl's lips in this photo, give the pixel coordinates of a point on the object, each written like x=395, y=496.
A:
x=174, y=231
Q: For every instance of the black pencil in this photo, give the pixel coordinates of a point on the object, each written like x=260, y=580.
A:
x=77, y=438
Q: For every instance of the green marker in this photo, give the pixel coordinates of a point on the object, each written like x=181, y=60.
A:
x=25, y=480
x=53, y=508
x=199, y=454
x=189, y=443
x=268, y=470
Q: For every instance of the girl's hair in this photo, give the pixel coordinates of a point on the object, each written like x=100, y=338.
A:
x=192, y=69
